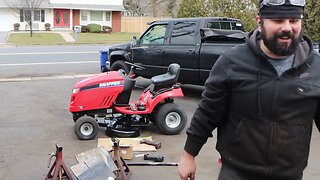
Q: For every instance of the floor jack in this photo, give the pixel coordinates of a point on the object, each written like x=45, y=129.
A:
x=58, y=169
x=124, y=172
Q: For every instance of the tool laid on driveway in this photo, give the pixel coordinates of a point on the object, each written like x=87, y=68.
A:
x=58, y=168
x=151, y=164
x=157, y=145
x=153, y=158
x=101, y=164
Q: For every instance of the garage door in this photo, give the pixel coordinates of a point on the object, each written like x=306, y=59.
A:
x=6, y=23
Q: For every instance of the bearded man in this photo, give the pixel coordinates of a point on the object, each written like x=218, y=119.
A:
x=263, y=97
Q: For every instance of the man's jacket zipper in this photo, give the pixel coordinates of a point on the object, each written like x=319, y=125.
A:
x=272, y=145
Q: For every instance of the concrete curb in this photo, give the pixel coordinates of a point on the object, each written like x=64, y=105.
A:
x=57, y=77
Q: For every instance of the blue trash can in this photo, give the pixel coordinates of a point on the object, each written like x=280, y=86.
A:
x=104, y=59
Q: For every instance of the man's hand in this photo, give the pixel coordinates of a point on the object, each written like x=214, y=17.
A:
x=187, y=166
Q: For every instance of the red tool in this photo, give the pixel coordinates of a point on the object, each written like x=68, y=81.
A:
x=157, y=145
x=58, y=168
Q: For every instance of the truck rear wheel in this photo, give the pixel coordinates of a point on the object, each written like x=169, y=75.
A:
x=170, y=119
x=120, y=66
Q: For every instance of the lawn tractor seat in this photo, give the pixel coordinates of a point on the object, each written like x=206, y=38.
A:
x=124, y=97
x=166, y=80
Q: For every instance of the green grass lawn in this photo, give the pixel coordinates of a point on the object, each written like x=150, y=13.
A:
x=56, y=39
x=103, y=38
x=36, y=39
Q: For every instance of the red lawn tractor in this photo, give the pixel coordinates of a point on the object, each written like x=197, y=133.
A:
x=103, y=100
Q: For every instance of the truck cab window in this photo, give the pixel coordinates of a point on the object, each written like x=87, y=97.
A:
x=227, y=25
x=183, y=33
x=214, y=25
x=237, y=26
x=155, y=35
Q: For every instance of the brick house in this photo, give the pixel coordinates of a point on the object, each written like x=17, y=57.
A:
x=64, y=14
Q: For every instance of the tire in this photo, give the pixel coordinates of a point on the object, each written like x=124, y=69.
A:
x=120, y=66
x=171, y=119
x=86, y=128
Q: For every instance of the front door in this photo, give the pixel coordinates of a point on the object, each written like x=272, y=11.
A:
x=76, y=17
x=61, y=18
x=149, y=50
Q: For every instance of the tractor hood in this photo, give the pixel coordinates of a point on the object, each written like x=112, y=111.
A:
x=108, y=79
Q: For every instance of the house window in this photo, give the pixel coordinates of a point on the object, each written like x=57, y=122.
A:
x=21, y=15
x=84, y=16
x=42, y=16
x=96, y=16
x=108, y=16
x=27, y=15
x=38, y=15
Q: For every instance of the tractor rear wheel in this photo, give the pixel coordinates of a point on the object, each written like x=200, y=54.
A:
x=171, y=119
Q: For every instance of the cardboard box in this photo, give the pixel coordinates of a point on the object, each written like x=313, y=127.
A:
x=126, y=152
x=134, y=142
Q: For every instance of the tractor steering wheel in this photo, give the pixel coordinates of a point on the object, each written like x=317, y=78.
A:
x=135, y=65
x=133, y=68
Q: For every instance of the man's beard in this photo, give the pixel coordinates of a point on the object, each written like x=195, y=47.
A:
x=280, y=49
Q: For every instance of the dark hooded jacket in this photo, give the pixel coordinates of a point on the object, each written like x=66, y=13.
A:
x=264, y=121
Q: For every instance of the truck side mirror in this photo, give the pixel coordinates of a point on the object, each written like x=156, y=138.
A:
x=134, y=41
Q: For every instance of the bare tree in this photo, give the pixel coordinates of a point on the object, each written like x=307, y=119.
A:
x=153, y=8
x=135, y=7
x=155, y=4
x=25, y=9
x=173, y=7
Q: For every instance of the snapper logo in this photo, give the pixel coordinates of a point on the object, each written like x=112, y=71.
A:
x=110, y=84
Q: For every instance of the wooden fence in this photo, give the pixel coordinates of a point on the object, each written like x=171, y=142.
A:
x=136, y=24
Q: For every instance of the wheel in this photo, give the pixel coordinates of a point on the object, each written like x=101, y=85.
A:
x=170, y=119
x=120, y=66
x=86, y=128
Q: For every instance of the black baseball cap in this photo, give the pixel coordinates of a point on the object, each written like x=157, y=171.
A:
x=281, y=9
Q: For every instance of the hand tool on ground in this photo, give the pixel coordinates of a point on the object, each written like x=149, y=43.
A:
x=58, y=169
x=157, y=145
x=153, y=158
x=151, y=164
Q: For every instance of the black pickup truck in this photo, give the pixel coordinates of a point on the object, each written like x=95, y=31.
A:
x=194, y=43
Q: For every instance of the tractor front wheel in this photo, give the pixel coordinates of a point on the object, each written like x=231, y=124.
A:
x=86, y=128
